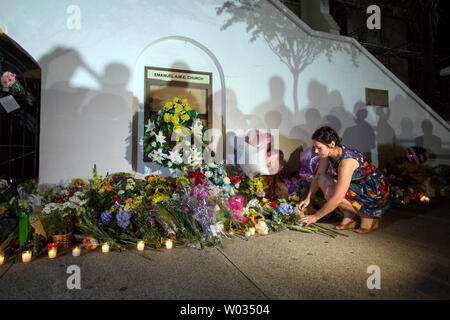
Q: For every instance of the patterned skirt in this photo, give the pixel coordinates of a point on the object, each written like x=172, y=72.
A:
x=370, y=195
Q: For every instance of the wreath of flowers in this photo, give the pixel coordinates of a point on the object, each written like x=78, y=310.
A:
x=174, y=117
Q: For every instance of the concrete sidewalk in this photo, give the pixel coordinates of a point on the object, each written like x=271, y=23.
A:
x=411, y=248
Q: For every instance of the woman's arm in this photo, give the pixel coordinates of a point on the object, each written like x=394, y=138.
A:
x=323, y=166
x=345, y=172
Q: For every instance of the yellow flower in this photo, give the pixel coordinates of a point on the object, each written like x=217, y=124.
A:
x=167, y=117
x=264, y=200
x=175, y=119
x=112, y=209
x=185, y=117
x=127, y=206
x=159, y=198
x=102, y=190
x=187, y=108
x=183, y=181
x=81, y=211
x=168, y=105
x=296, y=198
x=138, y=200
x=176, y=99
x=178, y=108
x=185, y=101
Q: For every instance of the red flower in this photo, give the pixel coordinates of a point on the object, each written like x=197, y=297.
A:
x=273, y=204
x=71, y=193
x=197, y=176
x=50, y=246
x=118, y=200
x=236, y=180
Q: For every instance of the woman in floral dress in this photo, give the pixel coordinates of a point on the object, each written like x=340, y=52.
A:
x=349, y=182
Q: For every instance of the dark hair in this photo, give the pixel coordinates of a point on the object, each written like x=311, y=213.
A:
x=326, y=135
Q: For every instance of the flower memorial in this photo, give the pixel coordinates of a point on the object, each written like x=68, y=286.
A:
x=173, y=136
x=209, y=203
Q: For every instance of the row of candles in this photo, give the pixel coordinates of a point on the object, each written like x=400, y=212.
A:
x=76, y=251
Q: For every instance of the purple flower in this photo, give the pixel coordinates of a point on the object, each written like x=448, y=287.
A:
x=285, y=209
x=123, y=218
x=106, y=217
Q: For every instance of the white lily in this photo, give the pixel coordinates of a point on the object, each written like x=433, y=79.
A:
x=175, y=157
x=158, y=155
x=160, y=138
x=149, y=126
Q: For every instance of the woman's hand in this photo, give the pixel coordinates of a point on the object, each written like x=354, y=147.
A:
x=307, y=220
x=302, y=206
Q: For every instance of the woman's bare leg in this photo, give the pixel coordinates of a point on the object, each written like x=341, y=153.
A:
x=328, y=186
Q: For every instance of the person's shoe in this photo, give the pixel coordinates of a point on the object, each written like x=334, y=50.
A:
x=374, y=226
x=346, y=226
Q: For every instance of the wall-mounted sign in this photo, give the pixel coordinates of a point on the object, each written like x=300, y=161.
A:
x=163, y=85
x=377, y=98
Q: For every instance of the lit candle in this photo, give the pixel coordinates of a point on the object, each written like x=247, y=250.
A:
x=2, y=258
x=105, y=247
x=140, y=245
x=52, y=253
x=252, y=231
x=26, y=256
x=76, y=251
x=169, y=244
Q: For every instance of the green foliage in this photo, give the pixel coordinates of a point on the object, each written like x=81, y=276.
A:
x=58, y=223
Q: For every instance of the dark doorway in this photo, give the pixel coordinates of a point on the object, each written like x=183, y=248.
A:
x=19, y=129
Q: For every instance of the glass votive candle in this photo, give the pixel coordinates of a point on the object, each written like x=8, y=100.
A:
x=247, y=234
x=76, y=251
x=169, y=244
x=105, y=247
x=140, y=245
x=52, y=253
x=26, y=256
x=252, y=231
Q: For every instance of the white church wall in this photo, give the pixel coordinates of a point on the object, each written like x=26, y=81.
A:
x=93, y=79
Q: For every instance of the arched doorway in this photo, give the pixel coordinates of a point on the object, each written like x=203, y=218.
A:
x=19, y=129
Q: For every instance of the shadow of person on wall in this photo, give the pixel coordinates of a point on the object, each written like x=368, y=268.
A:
x=432, y=143
x=283, y=118
x=108, y=115
x=385, y=137
x=361, y=136
x=405, y=137
x=63, y=128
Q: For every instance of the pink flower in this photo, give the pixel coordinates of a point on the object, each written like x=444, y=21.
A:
x=8, y=79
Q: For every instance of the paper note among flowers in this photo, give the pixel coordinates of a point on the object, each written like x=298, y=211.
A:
x=9, y=103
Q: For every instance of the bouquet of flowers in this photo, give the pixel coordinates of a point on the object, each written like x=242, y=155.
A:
x=283, y=213
x=170, y=133
x=253, y=187
x=216, y=174
x=10, y=83
x=102, y=194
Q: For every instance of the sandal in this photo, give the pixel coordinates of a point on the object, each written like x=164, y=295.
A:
x=348, y=225
x=374, y=226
